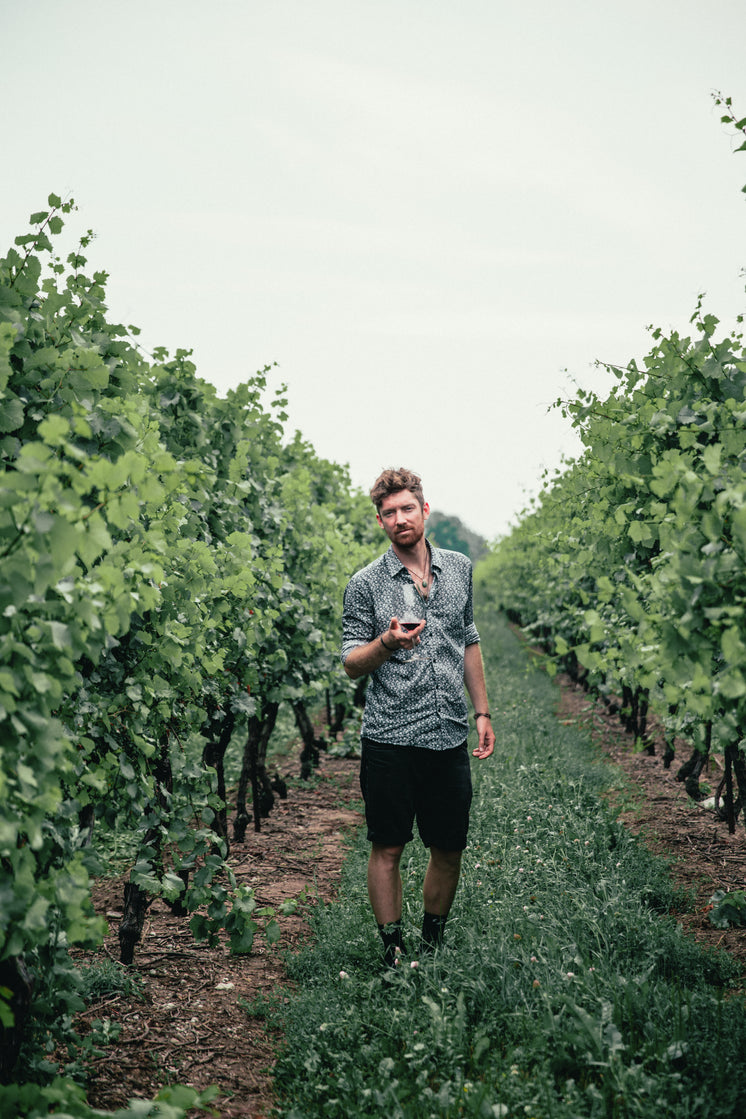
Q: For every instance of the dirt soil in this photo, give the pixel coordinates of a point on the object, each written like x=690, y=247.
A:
x=191, y=1027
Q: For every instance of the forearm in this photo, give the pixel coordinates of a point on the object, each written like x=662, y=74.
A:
x=476, y=686
x=474, y=679
x=365, y=659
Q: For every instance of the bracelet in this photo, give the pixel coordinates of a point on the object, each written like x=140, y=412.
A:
x=482, y=715
x=388, y=650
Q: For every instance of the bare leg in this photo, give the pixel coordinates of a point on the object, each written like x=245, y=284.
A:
x=441, y=881
x=384, y=883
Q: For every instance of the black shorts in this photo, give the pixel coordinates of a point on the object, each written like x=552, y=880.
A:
x=401, y=784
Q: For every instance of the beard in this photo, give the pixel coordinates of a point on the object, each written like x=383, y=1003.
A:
x=409, y=537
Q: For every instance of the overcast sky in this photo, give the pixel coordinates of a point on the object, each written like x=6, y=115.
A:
x=432, y=215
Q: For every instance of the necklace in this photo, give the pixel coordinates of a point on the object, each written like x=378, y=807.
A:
x=422, y=578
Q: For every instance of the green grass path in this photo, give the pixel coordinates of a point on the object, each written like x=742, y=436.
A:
x=564, y=990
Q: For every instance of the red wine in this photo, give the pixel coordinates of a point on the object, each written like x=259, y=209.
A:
x=408, y=626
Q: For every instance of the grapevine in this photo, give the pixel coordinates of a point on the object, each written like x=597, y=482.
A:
x=172, y=572
x=630, y=565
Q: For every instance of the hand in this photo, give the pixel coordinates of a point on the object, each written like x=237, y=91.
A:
x=486, y=738
x=403, y=639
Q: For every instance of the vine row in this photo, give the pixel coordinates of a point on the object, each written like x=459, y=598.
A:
x=630, y=567
x=171, y=573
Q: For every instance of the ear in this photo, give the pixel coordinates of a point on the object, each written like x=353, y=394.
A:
x=426, y=510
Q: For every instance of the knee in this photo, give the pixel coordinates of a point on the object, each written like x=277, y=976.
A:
x=385, y=855
x=449, y=861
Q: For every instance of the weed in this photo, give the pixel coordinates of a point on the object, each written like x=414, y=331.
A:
x=106, y=977
x=263, y=1006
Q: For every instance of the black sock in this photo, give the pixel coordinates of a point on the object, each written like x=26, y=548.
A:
x=433, y=927
x=391, y=935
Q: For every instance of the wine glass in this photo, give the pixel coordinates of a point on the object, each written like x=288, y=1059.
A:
x=413, y=612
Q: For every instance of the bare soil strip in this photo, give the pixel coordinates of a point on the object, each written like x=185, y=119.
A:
x=191, y=1029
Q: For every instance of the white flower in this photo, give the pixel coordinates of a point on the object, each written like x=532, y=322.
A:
x=343, y=975
x=414, y=964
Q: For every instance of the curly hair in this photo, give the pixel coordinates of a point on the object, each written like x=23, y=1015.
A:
x=394, y=481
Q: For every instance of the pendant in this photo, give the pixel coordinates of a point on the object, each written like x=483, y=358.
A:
x=424, y=583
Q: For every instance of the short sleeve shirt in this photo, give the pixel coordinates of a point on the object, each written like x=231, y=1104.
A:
x=414, y=702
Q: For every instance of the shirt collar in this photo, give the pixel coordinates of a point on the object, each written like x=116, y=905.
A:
x=394, y=565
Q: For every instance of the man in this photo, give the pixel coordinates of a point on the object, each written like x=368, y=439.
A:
x=415, y=765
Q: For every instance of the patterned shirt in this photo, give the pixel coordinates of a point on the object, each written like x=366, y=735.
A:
x=414, y=702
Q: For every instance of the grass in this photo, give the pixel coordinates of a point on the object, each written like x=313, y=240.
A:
x=564, y=988
x=105, y=977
